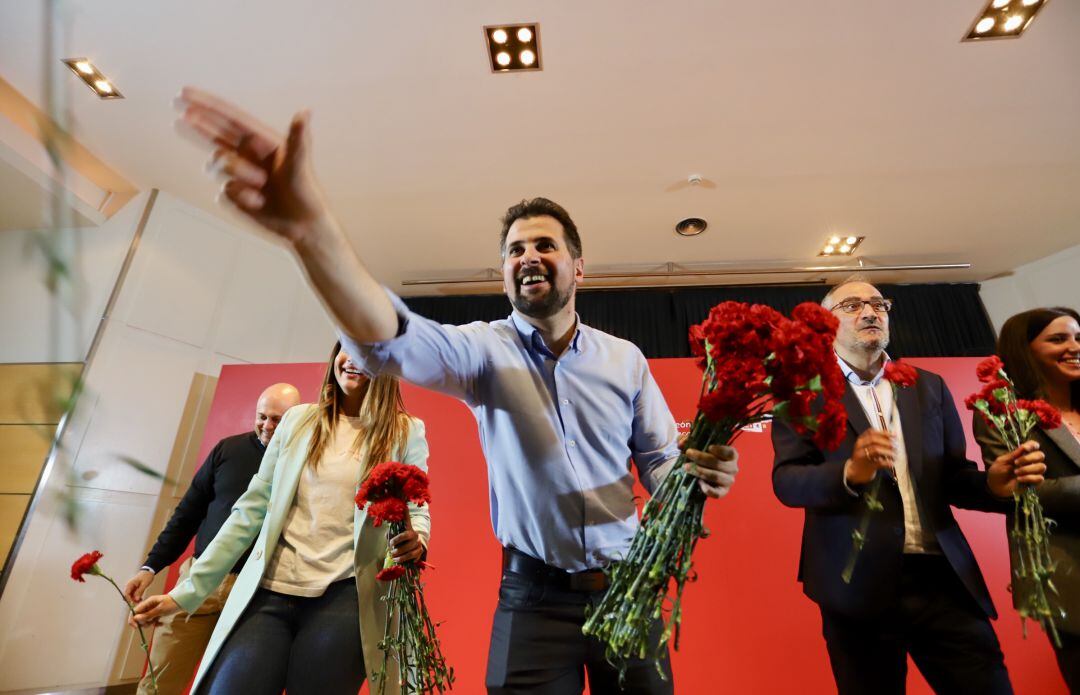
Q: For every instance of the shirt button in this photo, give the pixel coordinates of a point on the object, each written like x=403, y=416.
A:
x=566, y=401
x=258, y=554
x=572, y=443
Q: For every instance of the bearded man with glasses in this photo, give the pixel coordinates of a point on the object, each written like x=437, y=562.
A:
x=916, y=588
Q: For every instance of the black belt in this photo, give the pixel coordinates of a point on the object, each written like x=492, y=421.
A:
x=528, y=566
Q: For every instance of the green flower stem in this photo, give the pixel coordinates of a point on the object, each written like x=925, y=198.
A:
x=662, y=548
x=871, y=504
x=1033, y=567
x=661, y=552
x=409, y=636
x=858, y=535
x=142, y=637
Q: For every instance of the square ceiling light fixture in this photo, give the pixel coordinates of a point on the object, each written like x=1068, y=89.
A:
x=1003, y=19
x=513, y=47
x=841, y=245
x=101, y=85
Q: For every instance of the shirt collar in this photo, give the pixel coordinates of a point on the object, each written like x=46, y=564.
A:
x=532, y=339
x=857, y=380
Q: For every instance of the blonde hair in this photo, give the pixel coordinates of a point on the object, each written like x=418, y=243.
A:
x=384, y=423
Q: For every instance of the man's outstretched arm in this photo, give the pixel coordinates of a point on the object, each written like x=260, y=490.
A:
x=270, y=180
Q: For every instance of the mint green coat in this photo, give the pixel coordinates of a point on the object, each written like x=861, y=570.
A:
x=259, y=516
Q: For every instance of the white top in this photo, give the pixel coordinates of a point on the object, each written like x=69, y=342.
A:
x=916, y=538
x=316, y=546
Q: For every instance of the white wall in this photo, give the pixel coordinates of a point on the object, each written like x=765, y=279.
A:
x=1050, y=281
x=200, y=293
x=28, y=309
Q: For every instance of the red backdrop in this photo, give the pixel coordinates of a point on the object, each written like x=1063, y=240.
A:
x=747, y=625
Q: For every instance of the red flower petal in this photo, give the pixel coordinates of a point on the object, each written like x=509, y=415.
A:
x=85, y=565
x=390, y=573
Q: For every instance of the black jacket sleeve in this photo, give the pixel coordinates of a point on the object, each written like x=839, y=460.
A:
x=186, y=518
x=803, y=476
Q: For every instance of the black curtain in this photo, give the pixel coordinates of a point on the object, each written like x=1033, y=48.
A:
x=936, y=320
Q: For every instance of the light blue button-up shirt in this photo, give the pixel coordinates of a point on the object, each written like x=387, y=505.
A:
x=559, y=432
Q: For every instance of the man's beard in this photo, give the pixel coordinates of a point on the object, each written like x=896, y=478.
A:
x=874, y=344
x=544, y=306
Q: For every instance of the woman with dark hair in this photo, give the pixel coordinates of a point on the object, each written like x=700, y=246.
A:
x=1041, y=352
x=305, y=614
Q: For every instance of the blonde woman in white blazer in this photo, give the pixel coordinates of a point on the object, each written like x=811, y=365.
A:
x=305, y=613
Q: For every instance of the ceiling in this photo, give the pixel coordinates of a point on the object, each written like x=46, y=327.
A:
x=810, y=118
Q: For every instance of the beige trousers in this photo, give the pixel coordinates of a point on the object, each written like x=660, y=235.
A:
x=180, y=640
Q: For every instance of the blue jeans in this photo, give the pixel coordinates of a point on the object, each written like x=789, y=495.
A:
x=294, y=643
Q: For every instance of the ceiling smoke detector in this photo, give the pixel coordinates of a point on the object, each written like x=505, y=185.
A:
x=691, y=226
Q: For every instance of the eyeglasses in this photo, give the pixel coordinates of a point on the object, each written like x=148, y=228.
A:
x=855, y=306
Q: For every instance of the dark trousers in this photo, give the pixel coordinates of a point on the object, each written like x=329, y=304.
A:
x=1068, y=658
x=302, y=645
x=935, y=620
x=537, y=645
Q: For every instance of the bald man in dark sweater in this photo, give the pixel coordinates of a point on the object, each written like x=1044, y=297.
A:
x=179, y=641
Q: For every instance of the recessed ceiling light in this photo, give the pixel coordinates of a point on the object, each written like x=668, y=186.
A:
x=841, y=245
x=93, y=78
x=513, y=47
x=691, y=226
x=1003, y=19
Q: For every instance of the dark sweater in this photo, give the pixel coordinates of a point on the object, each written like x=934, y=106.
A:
x=219, y=482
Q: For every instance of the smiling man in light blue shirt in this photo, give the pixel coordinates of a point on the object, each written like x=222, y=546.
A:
x=562, y=408
x=563, y=411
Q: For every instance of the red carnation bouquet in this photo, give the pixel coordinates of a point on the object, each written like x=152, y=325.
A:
x=88, y=564
x=409, y=636
x=758, y=364
x=900, y=376
x=1013, y=419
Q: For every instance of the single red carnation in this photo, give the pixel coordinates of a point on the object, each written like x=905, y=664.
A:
x=87, y=564
x=799, y=353
x=416, y=490
x=739, y=382
x=1049, y=416
x=900, y=373
x=988, y=369
x=390, y=573
x=697, y=342
x=394, y=480
x=831, y=426
x=996, y=406
x=817, y=317
x=971, y=400
x=390, y=509
x=832, y=380
x=736, y=329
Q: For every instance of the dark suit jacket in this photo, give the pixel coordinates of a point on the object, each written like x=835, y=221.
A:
x=1060, y=498
x=806, y=477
